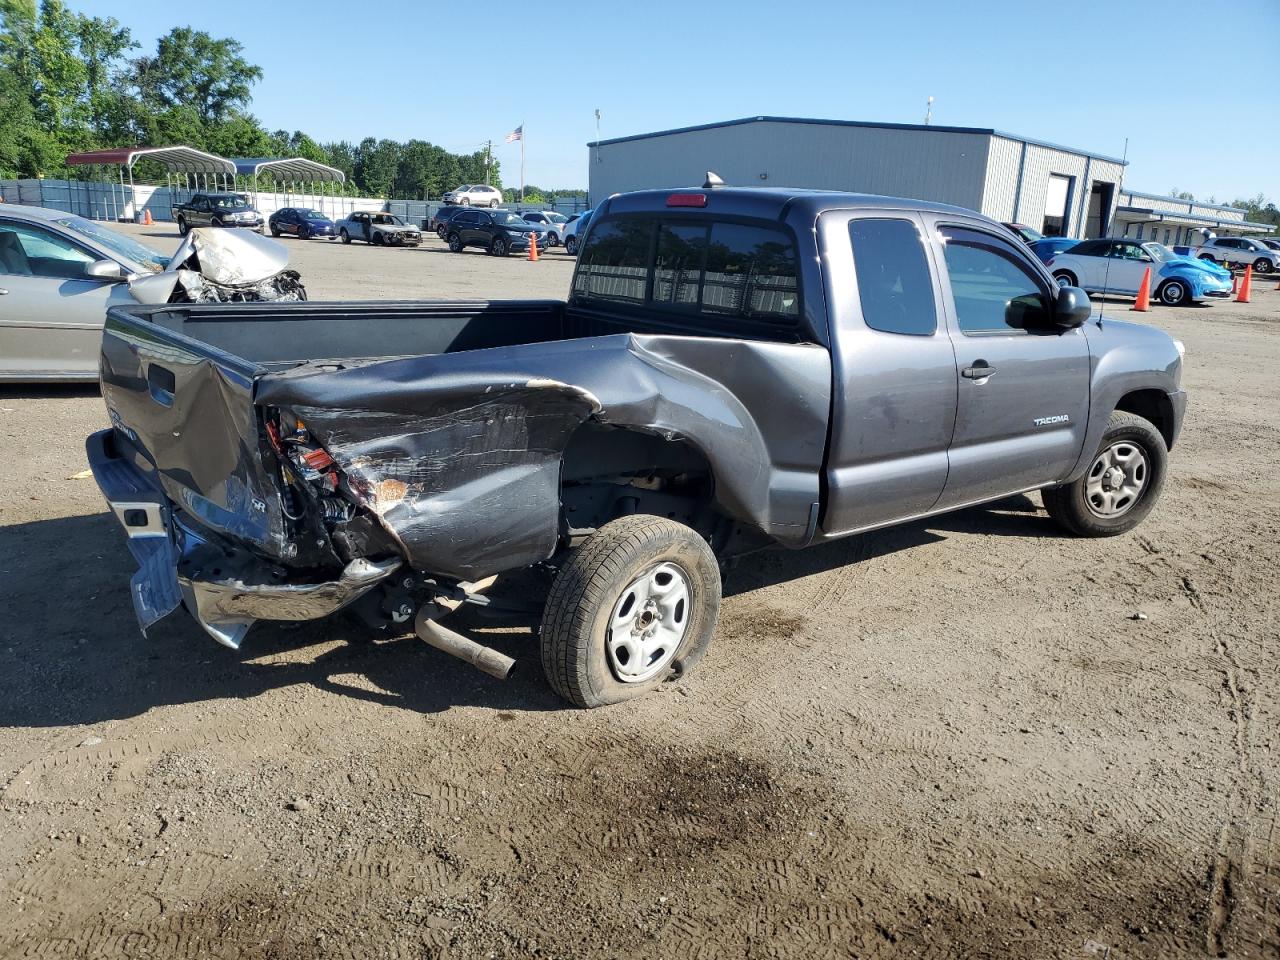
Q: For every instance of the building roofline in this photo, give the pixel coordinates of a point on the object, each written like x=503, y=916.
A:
x=1194, y=203
x=931, y=128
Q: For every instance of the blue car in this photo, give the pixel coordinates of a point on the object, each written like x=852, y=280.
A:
x=1118, y=264
x=302, y=222
x=1046, y=248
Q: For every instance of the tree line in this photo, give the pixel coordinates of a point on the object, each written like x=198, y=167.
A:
x=71, y=82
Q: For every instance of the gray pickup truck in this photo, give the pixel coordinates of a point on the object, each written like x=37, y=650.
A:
x=733, y=368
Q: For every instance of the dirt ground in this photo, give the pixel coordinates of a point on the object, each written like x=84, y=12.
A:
x=953, y=738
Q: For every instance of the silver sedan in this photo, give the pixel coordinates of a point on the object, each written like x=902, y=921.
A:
x=58, y=275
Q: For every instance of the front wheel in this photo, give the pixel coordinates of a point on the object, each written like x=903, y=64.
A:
x=1174, y=293
x=1121, y=485
x=1262, y=265
x=345, y=237
x=1065, y=278
x=499, y=248
x=275, y=231
x=635, y=604
x=571, y=246
x=455, y=243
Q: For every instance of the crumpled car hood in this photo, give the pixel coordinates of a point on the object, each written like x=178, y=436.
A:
x=231, y=256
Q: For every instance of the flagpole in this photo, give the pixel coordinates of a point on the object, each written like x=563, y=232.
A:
x=522, y=163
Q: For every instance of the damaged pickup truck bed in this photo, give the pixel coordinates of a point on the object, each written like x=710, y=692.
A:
x=734, y=368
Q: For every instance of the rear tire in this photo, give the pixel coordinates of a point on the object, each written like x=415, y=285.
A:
x=571, y=246
x=1065, y=278
x=1120, y=487
x=635, y=604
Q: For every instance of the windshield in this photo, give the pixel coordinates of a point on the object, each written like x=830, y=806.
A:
x=313, y=215
x=230, y=203
x=506, y=218
x=126, y=247
x=388, y=219
x=462, y=189
x=557, y=217
x=1159, y=252
x=1027, y=234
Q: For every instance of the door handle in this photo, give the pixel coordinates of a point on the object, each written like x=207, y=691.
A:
x=979, y=371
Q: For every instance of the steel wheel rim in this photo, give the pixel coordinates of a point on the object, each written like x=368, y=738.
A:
x=1117, y=479
x=648, y=623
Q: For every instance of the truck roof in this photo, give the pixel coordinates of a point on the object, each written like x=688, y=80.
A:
x=772, y=203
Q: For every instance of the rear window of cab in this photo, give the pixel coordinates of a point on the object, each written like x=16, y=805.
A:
x=718, y=269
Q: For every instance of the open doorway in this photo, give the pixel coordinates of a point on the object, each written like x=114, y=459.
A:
x=1100, y=195
x=1057, y=206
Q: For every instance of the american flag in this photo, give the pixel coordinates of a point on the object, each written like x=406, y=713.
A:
x=516, y=134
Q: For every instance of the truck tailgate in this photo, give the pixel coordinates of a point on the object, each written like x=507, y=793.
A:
x=187, y=409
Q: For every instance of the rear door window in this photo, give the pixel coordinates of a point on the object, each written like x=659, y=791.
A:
x=894, y=284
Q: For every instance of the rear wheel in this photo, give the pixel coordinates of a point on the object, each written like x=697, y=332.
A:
x=635, y=604
x=1121, y=485
x=182, y=226
x=1174, y=293
x=493, y=204
x=571, y=246
x=1208, y=256
x=1065, y=278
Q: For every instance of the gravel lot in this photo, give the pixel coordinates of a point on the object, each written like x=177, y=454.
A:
x=956, y=737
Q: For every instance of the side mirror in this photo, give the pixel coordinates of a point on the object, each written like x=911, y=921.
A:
x=1071, y=308
x=104, y=270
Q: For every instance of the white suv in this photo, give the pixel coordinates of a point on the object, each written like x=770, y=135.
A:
x=1241, y=251
x=476, y=195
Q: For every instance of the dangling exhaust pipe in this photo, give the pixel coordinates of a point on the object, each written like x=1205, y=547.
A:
x=483, y=658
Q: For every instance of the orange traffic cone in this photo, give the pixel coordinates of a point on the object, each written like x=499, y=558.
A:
x=146, y=218
x=1245, y=284
x=1235, y=283
x=533, y=245
x=1144, y=293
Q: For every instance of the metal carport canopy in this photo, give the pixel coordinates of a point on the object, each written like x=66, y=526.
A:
x=297, y=169
x=175, y=159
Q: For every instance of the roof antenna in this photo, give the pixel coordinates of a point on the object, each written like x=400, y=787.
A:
x=1119, y=190
x=713, y=180
x=928, y=112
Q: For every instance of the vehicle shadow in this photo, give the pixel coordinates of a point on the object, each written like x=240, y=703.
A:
x=72, y=654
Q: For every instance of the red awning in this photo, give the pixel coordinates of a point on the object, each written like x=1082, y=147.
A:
x=175, y=159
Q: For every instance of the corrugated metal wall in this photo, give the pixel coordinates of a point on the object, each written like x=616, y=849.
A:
x=922, y=164
x=1174, y=205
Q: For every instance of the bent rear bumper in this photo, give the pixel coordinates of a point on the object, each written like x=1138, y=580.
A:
x=225, y=588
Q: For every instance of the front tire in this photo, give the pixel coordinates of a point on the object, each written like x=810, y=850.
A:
x=1174, y=294
x=344, y=236
x=275, y=231
x=1120, y=487
x=1262, y=265
x=635, y=604
x=455, y=243
x=499, y=247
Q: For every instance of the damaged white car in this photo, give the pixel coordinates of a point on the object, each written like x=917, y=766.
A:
x=59, y=273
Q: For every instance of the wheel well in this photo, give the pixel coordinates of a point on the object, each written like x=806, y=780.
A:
x=1153, y=405
x=608, y=472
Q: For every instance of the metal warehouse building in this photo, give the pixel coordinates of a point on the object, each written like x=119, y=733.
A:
x=1170, y=220
x=1057, y=190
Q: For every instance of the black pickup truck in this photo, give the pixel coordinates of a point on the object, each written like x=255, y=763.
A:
x=734, y=368
x=216, y=210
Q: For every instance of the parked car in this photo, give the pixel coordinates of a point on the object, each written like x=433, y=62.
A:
x=553, y=222
x=379, y=229
x=1028, y=235
x=733, y=368
x=1117, y=265
x=216, y=210
x=1240, y=252
x=474, y=195
x=498, y=232
x=303, y=223
x=440, y=221
x=574, y=229
x=59, y=273
x=1046, y=248
x=1271, y=242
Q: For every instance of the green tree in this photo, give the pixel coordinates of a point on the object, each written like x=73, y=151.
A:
x=376, y=164
x=195, y=70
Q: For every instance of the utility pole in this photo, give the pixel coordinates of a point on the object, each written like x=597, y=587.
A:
x=488, y=160
x=928, y=111
x=597, y=134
